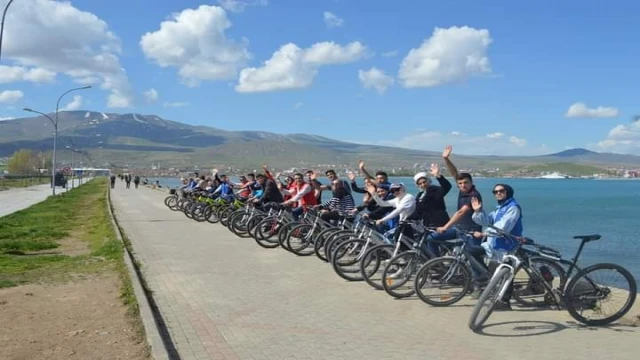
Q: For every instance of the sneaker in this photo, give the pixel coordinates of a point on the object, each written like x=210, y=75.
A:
x=475, y=294
x=502, y=306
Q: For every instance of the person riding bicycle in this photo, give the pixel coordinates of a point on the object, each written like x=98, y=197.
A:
x=507, y=216
x=376, y=211
x=431, y=207
x=225, y=189
x=340, y=205
x=270, y=191
x=404, y=204
x=381, y=179
x=301, y=193
x=462, y=219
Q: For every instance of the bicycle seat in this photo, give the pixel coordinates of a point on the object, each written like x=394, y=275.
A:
x=588, y=238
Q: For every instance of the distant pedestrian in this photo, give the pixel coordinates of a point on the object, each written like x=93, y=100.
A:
x=136, y=181
x=113, y=181
x=127, y=179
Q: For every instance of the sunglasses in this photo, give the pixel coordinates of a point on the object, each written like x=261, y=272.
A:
x=298, y=178
x=422, y=182
x=499, y=191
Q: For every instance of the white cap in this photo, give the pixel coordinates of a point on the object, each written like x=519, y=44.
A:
x=419, y=176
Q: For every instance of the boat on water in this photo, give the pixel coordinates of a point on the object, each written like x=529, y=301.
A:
x=553, y=175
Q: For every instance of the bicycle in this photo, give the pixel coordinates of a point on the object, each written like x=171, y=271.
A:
x=398, y=274
x=580, y=294
x=451, y=276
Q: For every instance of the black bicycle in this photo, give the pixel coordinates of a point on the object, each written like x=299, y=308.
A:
x=445, y=280
x=583, y=295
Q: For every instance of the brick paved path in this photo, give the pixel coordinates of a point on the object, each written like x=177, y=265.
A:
x=227, y=298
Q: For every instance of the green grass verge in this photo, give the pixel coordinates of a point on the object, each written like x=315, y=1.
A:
x=31, y=250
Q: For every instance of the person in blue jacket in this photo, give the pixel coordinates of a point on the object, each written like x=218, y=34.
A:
x=507, y=216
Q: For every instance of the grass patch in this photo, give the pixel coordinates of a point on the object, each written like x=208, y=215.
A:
x=81, y=215
x=30, y=251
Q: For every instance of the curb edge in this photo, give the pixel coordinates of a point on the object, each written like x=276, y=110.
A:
x=152, y=331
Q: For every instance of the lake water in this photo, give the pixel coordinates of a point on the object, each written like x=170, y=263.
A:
x=555, y=210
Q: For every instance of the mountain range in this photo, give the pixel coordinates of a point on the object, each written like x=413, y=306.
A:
x=110, y=139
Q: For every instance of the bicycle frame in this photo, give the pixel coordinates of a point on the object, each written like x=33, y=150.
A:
x=512, y=271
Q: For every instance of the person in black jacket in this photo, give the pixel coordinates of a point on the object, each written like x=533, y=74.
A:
x=271, y=192
x=430, y=204
x=356, y=189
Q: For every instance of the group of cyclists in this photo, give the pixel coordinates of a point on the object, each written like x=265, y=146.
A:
x=388, y=204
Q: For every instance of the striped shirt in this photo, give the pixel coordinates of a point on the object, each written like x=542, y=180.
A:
x=343, y=206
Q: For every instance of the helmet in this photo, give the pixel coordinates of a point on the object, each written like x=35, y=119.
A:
x=419, y=176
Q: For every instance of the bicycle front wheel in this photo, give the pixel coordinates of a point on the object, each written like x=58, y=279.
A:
x=346, y=259
x=443, y=281
x=488, y=299
x=398, y=274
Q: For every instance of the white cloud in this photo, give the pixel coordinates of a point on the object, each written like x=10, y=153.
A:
x=375, y=79
x=63, y=39
x=9, y=74
x=75, y=104
x=298, y=105
x=623, y=138
x=10, y=96
x=495, y=135
x=175, y=104
x=448, y=56
x=194, y=41
x=291, y=67
x=490, y=144
x=517, y=141
x=241, y=5
x=580, y=110
x=3, y=118
x=330, y=53
x=391, y=53
x=332, y=20
x=151, y=95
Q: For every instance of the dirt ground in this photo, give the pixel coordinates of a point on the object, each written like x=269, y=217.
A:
x=83, y=319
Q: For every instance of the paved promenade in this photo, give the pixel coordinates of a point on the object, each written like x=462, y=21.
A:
x=16, y=199
x=227, y=298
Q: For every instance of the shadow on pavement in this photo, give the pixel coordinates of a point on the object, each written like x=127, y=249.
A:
x=537, y=328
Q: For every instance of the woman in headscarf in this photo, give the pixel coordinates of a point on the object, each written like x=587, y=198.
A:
x=507, y=216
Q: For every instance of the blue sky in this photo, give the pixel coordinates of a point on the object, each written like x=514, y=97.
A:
x=498, y=77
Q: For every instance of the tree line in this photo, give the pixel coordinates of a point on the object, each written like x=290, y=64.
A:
x=29, y=162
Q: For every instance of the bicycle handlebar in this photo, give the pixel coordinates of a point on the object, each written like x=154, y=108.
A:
x=525, y=241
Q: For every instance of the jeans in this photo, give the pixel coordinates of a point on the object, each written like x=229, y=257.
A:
x=447, y=235
x=475, y=250
x=296, y=212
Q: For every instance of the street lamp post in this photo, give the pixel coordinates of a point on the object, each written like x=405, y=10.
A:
x=55, y=139
x=4, y=14
x=55, y=133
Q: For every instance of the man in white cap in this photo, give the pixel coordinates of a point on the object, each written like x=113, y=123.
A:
x=430, y=204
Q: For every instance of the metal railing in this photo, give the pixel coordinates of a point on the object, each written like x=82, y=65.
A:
x=7, y=181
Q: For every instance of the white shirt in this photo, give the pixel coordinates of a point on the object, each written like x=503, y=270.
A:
x=404, y=206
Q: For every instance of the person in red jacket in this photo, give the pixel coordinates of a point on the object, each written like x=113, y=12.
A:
x=301, y=193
